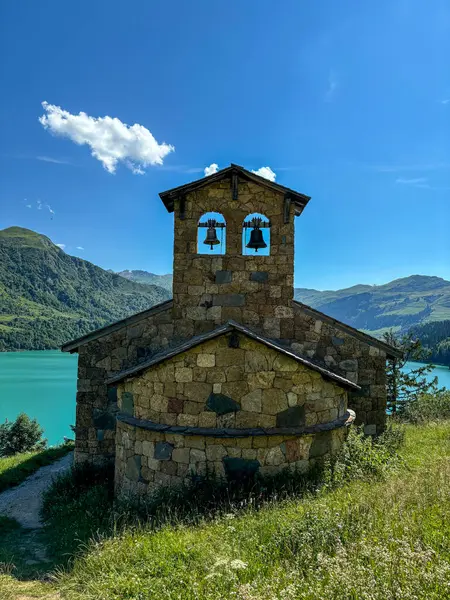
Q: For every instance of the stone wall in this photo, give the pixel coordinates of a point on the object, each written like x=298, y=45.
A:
x=147, y=459
x=213, y=385
x=226, y=389
x=321, y=338
x=253, y=290
x=98, y=360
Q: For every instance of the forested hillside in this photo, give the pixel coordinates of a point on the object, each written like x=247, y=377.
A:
x=436, y=337
x=48, y=297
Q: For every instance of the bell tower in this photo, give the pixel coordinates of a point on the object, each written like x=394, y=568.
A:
x=248, y=276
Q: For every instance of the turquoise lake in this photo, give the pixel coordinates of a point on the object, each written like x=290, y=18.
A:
x=43, y=385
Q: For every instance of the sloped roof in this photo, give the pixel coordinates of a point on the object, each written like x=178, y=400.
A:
x=223, y=329
x=73, y=345
x=356, y=333
x=168, y=197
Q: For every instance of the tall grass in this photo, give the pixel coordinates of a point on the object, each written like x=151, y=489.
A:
x=80, y=503
x=427, y=408
x=15, y=469
x=380, y=539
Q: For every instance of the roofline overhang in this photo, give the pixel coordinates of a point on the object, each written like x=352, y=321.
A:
x=73, y=345
x=221, y=330
x=169, y=196
x=390, y=351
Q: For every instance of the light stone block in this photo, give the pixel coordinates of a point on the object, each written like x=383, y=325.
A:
x=252, y=402
x=292, y=399
x=183, y=375
x=206, y=360
x=181, y=455
x=197, y=456
x=215, y=453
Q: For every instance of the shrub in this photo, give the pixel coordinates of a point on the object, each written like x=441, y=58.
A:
x=428, y=407
x=363, y=457
x=22, y=435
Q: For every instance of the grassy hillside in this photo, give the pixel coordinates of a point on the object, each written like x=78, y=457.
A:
x=400, y=304
x=383, y=537
x=48, y=297
x=165, y=281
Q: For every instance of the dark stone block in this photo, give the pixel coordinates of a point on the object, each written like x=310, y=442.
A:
x=163, y=451
x=175, y=405
x=128, y=403
x=112, y=395
x=233, y=340
x=103, y=419
x=337, y=341
x=321, y=444
x=363, y=392
x=141, y=352
x=259, y=276
x=291, y=417
x=240, y=468
x=221, y=404
x=133, y=468
x=223, y=277
x=229, y=300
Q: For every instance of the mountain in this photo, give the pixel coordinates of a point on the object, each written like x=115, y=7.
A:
x=48, y=297
x=400, y=304
x=164, y=281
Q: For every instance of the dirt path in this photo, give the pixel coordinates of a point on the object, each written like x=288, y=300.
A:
x=23, y=503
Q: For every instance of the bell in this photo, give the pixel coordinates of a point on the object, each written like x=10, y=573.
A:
x=211, y=237
x=256, y=240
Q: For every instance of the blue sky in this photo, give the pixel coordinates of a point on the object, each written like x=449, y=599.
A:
x=348, y=102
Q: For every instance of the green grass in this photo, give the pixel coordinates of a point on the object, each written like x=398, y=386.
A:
x=14, y=469
x=366, y=540
x=382, y=538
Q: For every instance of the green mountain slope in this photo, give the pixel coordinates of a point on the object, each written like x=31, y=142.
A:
x=164, y=281
x=48, y=297
x=399, y=304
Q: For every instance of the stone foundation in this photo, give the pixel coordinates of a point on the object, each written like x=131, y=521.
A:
x=147, y=459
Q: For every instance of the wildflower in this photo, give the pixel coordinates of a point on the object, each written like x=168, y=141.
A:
x=237, y=564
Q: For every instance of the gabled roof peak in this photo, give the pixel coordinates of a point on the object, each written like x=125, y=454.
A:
x=221, y=330
x=299, y=200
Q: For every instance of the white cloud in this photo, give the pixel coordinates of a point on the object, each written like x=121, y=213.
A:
x=80, y=248
x=110, y=140
x=266, y=172
x=445, y=101
x=50, y=209
x=413, y=181
x=213, y=168
x=333, y=84
x=39, y=204
x=28, y=205
x=62, y=246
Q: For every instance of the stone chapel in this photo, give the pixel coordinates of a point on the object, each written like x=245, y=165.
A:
x=232, y=374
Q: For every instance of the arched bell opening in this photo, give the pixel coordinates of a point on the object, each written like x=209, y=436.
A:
x=211, y=234
x=256, y=235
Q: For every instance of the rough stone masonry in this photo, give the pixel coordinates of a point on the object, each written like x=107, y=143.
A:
x=209, y=292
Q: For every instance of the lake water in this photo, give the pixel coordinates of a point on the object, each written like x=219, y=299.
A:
x=43, y=385
x=442, y=373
